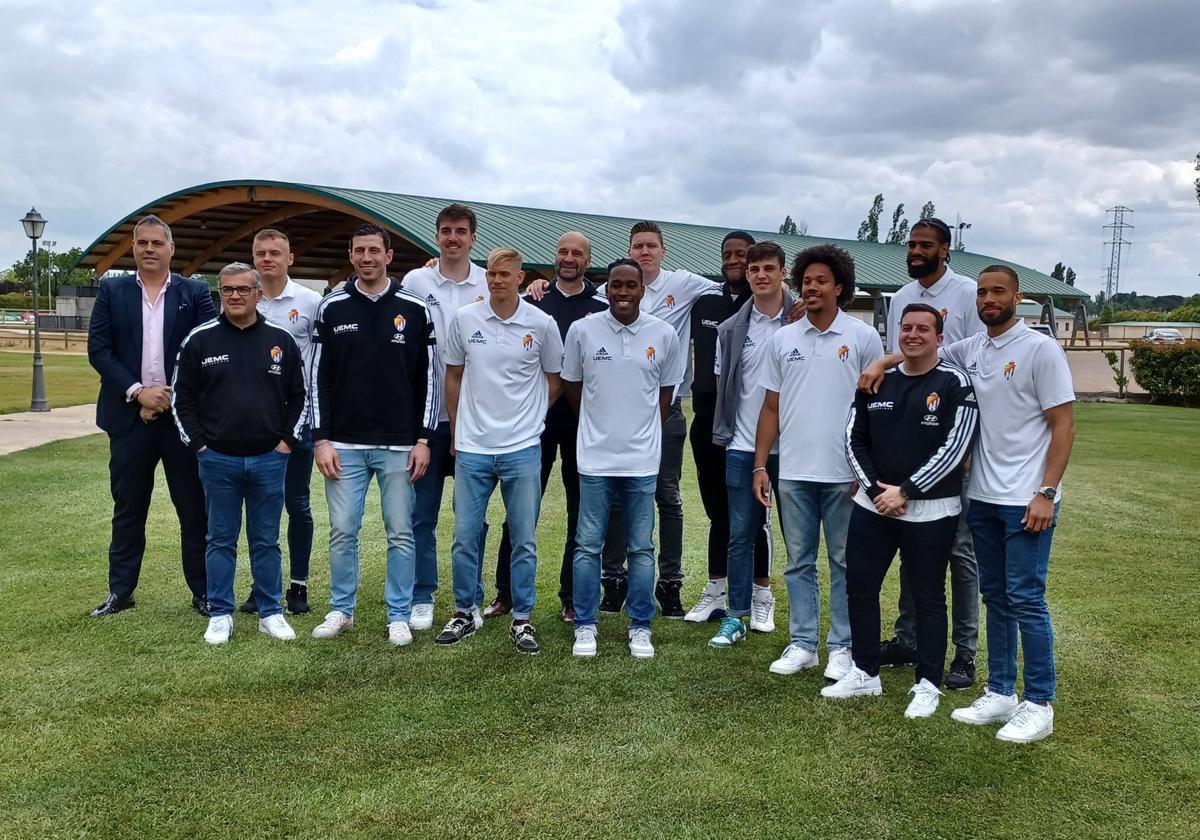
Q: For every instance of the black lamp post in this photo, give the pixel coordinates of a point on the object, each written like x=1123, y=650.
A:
x=34, y=226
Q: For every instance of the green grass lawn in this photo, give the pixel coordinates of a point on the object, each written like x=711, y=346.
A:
x=132, y=726
x=70, y=380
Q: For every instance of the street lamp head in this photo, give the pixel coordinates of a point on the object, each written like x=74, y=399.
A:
x=34, y=224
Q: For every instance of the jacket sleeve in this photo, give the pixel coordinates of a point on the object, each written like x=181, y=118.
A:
x=427, y=386
x=101, y=353
x=205, y=311
x=297, y=394
x=319, y=378
x=186, y=388
x=959, y=435
x=858, y=446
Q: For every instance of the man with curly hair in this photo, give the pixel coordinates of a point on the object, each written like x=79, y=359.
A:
x=810, y=378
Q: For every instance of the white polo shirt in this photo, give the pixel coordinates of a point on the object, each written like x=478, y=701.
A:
x=622, y=369
x=444, y=297
x=815, y=374
x=503, y=398
x=1017, y=376
x=753, y=363
x=296, y=311
x=953, y=295
x=670, y=298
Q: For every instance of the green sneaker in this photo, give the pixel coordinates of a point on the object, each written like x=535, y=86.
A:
x=730, y=632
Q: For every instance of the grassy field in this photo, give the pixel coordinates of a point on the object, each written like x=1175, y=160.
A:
x=131, y=726
x=70, y=380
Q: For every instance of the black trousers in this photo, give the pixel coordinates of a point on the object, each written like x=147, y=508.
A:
x=925, y=553
x=560, y=440
x=714, y=495
x=132, y=461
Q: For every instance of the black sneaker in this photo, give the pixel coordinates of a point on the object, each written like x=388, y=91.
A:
x=962, y=673
x=458, y=628
x=297, y=599
x=892, y=654
x=667, y=593
x=200, y=605
x=615, y=590
x=249, y=607
x=522, y=636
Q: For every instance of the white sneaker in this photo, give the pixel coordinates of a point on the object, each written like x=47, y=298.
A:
x=276, y=627
x=220, y=628
x=399, y=634
x=988, y=708
x=839, y=664
x=794, y=658
x=640, y=646
x=855, y=683
x=762, y=611
x=477, y=617
x=925, y=700
x=711, y=604
x=585, y=640
x=334, y=624
x=1032, y=722
x=422, y=617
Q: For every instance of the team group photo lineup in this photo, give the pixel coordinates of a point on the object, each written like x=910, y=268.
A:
x=935, y=445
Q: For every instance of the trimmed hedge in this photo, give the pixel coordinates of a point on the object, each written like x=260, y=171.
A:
x=1168, y=371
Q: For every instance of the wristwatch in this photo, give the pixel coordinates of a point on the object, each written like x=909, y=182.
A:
x=423, y=440
x=1048, y=492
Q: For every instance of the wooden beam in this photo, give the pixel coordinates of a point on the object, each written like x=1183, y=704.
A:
x=340, y=275
x=342, y=226
x=239, y=233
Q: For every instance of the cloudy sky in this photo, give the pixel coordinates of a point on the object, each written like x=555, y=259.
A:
x=1027, y=118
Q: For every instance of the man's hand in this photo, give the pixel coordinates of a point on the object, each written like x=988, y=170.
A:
x=797, y=312
x=762, y=488
x=871, y=378
x=1039, y=514
x=418, y=461
x=147, y=415
x=433, y=263
x=157, y=398
x=328, y=461
x=537, y=288
x=283, y=447
x=891, y=501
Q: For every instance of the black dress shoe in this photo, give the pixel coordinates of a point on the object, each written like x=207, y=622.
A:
x=113, y=604
x=200, y=605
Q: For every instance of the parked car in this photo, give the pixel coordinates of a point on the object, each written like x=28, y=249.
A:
x=1164, y=335
x=1044, y=329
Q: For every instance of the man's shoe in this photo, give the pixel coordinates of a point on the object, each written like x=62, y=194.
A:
x=615, y=590
x=523, y=638
x=854, y=683
x=112, y=605
x=501, y=605
x=276, y=627
x=422, y=617
x=962, y=673
x=988, y=708
x=477, y=617
x=840, y=663
x=1032, y=722
x=729, y=633
x=667, y=593
x=457, y=628
x=640, y=646
x=297, y=599
x=892, y=654
x=711, y=605
x=200, y=605
x=220, y=628
x=585, y=641
x=335, y=623
x=399, y=634
x=567, y=613
x=249, y=607
x=762, y=611
x=794, y=658
x=925, y=700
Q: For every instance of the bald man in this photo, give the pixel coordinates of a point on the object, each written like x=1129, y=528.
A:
x=570, y=297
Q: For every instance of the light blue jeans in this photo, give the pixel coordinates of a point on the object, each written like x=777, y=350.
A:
x=475, y=477
x=804, y=508
x=596, y=496
x=746, y=520
x=346, y=498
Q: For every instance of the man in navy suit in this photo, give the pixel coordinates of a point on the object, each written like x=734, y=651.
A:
x=133, y=339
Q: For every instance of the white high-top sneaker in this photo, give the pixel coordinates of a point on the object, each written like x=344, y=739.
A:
x=762, y=610
x=711, y=604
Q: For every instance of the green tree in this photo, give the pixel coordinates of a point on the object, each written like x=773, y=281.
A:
x=899, y=230
x=54, y=269
x=868, y=231
x=1058, y=271
x=927, y=212
x=1070, y=277
x=788, y=228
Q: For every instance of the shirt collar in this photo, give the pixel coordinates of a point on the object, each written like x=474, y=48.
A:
x=616, y=326
x=759, y=317
x=659, y=281
x=518, y=317
x=1010, y=335
x=138, y=277
x=442, y=279
x=287, y=293
x=838, y=326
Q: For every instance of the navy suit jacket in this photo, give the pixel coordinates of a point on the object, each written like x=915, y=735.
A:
x=115, y=340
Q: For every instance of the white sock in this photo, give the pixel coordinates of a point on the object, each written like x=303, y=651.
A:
x=299, y=582
x=717, y=585
x=758, y=588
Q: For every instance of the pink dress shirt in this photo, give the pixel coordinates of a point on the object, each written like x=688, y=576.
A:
x=154, y=367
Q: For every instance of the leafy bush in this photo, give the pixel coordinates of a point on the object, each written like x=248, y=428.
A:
x=1170, y=371
x=16, y=300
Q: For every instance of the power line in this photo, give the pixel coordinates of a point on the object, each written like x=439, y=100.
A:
x=1116, y=244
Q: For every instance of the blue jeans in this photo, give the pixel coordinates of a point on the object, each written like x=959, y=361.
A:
x=475, y=477
x=426, y=510
x=804, y=507
x=1013, y=565
x=747, y=518
x=257, y=481
x=346, y=498
x=299, y=509
x=596, y=496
